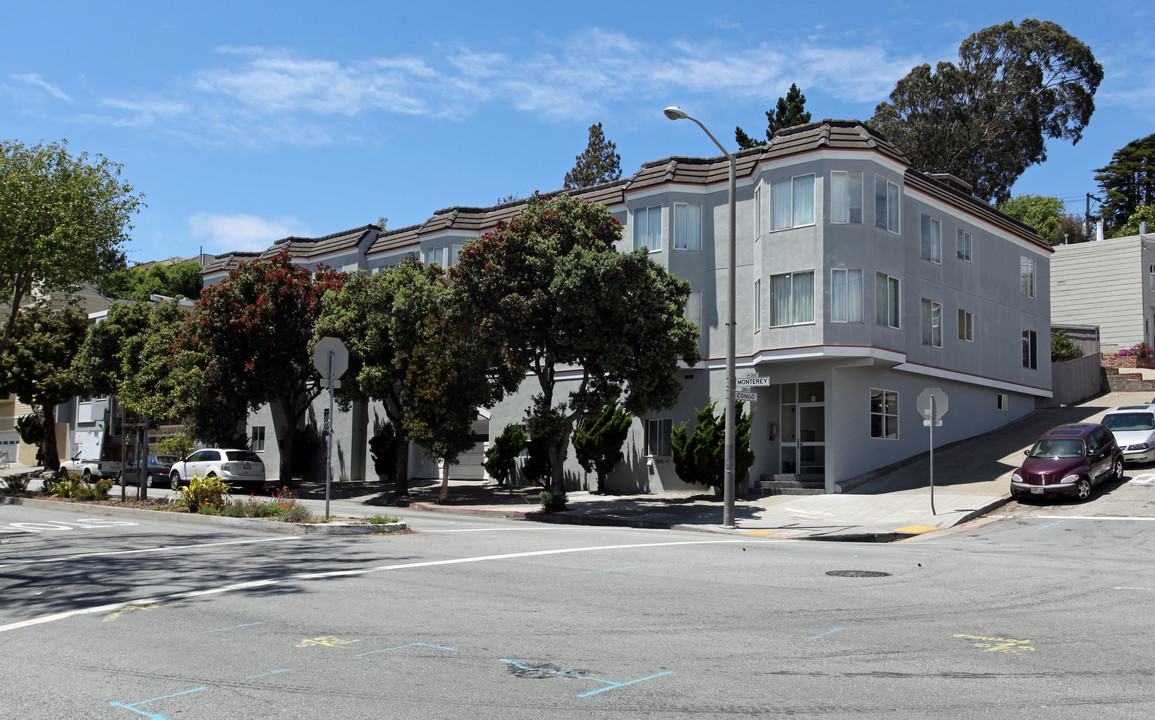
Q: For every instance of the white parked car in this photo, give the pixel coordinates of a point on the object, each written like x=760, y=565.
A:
x=1134, y=429
x=235, y=467
x=90, y=468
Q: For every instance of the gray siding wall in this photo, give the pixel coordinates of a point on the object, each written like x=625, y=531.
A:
x=1103, y=283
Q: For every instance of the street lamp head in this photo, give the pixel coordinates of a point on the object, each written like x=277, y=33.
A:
x=675, y=113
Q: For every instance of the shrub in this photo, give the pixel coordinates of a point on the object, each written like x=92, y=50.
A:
x=203, y=491
x=501, y=457
x=699, y=458
x=75, y=487
x=1062, y=348
x=383, y=449
x=1140, y=350
x=551, y=503
x=16, y=484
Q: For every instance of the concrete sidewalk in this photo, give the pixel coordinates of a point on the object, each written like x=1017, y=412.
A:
x=972, y=478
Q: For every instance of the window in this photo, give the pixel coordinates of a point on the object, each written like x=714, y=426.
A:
x=885, y=204
x=435, y=255
x=792, y=202
x=757, y=212
x=883, y=414
x=966, y=322
x=757, y=304
x=845, y=295
x=1151, y=277
x=886, y=300
x=687, y=226
x=658, y=434
x=454, y=251
x=931, y=323
x=1027, y=277
x=1004, y=401
x=257, y=441
x=931, y=248
x=648, y=228
x=963, y=244
x=694, y=310
x=1030, y=349
x=846, y=196
x=792, y=298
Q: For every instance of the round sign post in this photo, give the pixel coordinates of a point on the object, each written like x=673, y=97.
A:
x=932, y=405
x=331, y=358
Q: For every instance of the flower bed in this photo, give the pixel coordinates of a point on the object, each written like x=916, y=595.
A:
x=1140, y=355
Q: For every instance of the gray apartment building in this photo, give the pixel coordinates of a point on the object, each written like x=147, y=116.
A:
x=861, y=283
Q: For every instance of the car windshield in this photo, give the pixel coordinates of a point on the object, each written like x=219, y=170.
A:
x=243, y=456
x=1122, y=422
x=1057, y=448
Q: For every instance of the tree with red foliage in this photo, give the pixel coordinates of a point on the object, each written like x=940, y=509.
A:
x=253, y=332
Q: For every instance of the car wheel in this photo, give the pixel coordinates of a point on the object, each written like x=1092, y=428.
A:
x=148, y=481
x=1117, y=472
x=174, y=481
x=1083, y=489
x=87, y=474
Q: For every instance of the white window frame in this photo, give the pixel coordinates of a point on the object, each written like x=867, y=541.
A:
x=843, y=210
x=795, y=221
x=433, y=255
x=758, y=305
x=643, y=229
x=1026, y=276
x=658, y=437
x=758, y=205
x=886, y=413
x=257, y=438
x=888, y=314
x=931, y=323
x=930, y=239
x=686, y=236
x=793, y=310
x=963, y=245
x=845, y=297
x=1003, y=402
x=966, y=325
x=889, y=202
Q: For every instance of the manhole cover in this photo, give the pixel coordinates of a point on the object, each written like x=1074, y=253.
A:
x=857, y=573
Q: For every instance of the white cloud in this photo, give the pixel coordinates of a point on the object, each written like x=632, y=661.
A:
x=36, y=80
x=224, y=233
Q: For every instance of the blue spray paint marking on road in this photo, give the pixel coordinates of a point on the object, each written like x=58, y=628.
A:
x=400, y=647
x=595, y=572
x=1044, y=527
x=271, y=672
x=155, y=716
x=563, y=673
x=234, y=627
x=815, y=637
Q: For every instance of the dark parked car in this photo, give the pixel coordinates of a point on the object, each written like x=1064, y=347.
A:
x=1069, y=460
x=158, y=469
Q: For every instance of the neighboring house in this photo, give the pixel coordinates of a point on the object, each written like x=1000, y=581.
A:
x=861, y=283
x=1109, y=283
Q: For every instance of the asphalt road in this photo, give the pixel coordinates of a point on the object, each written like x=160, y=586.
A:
x=1043, y=612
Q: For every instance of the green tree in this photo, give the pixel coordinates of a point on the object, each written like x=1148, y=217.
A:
x=1042, y=212
x=37, y=366
x=180, y=279
x=63, y=221
x=598, y=164
x=987, y=119
x=547, y=292
x=598, y=440
x=699, y=458
x=501, y=457
x=791, y=111
x=252, y=334
x=1128, y=181
x=1062, y=347
x=1131, y=227
x=444, y=374
x=362, y=314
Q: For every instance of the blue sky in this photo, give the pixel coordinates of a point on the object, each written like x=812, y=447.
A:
x=244, y=122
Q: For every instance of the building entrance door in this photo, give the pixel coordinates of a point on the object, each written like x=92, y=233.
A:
x=803, y=429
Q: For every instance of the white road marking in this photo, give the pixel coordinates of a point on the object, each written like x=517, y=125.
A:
x=161, y=548
x=1093, y=517
x=111, y=607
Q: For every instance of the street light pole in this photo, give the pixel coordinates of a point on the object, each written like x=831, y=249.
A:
x=675, y=113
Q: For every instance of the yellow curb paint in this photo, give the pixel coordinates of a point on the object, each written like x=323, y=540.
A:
x=764, y=533
x=1131, y=588
x=112, y=616
x=915, y=529
x=326, y=640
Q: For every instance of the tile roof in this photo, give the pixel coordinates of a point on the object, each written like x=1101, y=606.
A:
x=306, y=249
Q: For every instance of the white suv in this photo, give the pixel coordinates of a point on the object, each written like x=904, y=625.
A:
x=235, y=467
x=1134, y=429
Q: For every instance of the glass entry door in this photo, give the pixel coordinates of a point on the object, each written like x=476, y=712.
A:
x=803, y=429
